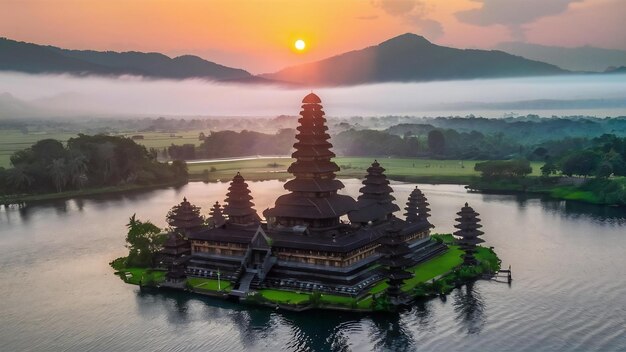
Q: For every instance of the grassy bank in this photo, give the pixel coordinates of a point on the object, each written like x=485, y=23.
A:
x=596, y=191
x=137, y=276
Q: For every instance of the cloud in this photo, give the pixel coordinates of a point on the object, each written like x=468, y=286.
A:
x=367, y=18
x=414, y=13
x=397, y=7
x=513, y=14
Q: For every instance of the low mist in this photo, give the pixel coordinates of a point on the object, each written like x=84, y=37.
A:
x=24, y=95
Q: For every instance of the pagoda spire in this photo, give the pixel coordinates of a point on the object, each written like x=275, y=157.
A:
x=216, y=216
x=375, y=202
x=417, y=207
x=468, y=224
x=313, y=200
x=185, y=217
x=239, y=203
x=394, y=251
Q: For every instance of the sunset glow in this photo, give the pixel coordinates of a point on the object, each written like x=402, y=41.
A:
x=300, y=44
x=259, y=36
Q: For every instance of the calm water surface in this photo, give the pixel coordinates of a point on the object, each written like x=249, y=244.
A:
x=57, y=291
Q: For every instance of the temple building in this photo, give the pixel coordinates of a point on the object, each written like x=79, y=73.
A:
x=314, y=238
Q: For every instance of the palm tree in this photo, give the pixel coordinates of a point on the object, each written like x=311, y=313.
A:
x=58, y=172
x=18, y=178
x=76, y=167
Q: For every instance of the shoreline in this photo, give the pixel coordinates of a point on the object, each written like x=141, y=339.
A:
x=424, y=171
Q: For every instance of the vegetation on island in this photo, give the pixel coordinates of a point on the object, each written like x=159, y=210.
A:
x=85, y=163
x=143, y=240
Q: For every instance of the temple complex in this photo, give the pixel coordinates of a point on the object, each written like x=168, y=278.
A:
x=314, y=238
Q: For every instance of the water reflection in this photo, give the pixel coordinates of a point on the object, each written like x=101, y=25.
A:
x=469, y=308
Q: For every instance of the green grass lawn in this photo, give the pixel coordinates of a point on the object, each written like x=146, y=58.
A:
x=428, y=270
x=209, y=284
x=142, y=275
x=286, y=297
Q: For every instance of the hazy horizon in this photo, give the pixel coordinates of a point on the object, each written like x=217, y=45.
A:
x=64, y=95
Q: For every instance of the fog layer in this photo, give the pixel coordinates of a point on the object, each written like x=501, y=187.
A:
x=55, y=95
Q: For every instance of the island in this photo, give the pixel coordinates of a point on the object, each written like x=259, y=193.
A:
x=316, y=248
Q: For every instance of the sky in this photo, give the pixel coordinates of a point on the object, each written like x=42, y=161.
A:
x=258, y=35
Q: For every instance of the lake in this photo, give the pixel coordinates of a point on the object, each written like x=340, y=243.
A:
x=59, y=293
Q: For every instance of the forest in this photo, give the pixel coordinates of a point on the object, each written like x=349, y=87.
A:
x=85, y=162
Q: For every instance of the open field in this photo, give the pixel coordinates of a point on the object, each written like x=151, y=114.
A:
x=424, y=170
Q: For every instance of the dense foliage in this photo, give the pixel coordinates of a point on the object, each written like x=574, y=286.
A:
x=86, y=161
x=504, y=168
x=143, y=241
x=229, y=143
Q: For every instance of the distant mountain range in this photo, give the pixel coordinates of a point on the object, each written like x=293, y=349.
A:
x=33, y=58
x=584, y=58
x=410, y=57
x=405, y=58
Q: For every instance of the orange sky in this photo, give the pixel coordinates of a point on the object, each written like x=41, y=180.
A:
x=258, y=35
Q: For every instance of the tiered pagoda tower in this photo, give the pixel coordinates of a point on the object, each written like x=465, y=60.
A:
x=313, y=201
x=468, y=225
x=185, y=218
x=417, y=207
x=375, y=202
x=394, y=250
x=216, y=216
x=239, y=203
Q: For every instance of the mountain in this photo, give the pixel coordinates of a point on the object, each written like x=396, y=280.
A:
x=33, y=58
x=410, y=57
x=585, y=58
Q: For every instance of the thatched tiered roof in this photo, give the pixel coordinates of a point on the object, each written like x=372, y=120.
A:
x=375, y=202
x=468, y=224
x=239, y=203
x=314, y=187
x=394, y=250
x=417, y=207
x=185, y=217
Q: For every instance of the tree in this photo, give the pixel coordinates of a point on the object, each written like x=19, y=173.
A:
x=76, y=169
x=582, y=163
x=180, y=170
x=58, y=173
x=436, y=142
x=504, y=168
x=549, y=168
x=144, y=240
x=604, y=170
x=18, y=178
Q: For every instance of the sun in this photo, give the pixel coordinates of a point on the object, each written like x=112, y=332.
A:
x=300, y=44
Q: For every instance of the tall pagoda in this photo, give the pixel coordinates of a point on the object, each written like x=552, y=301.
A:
x=468, y=225
x=417, y=207
x=215, y=215
x=313, y=201
x=394, y=251
x=239, y=203
x=375, y=202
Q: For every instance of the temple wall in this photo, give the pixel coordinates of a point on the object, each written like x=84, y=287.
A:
x=222, y=248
